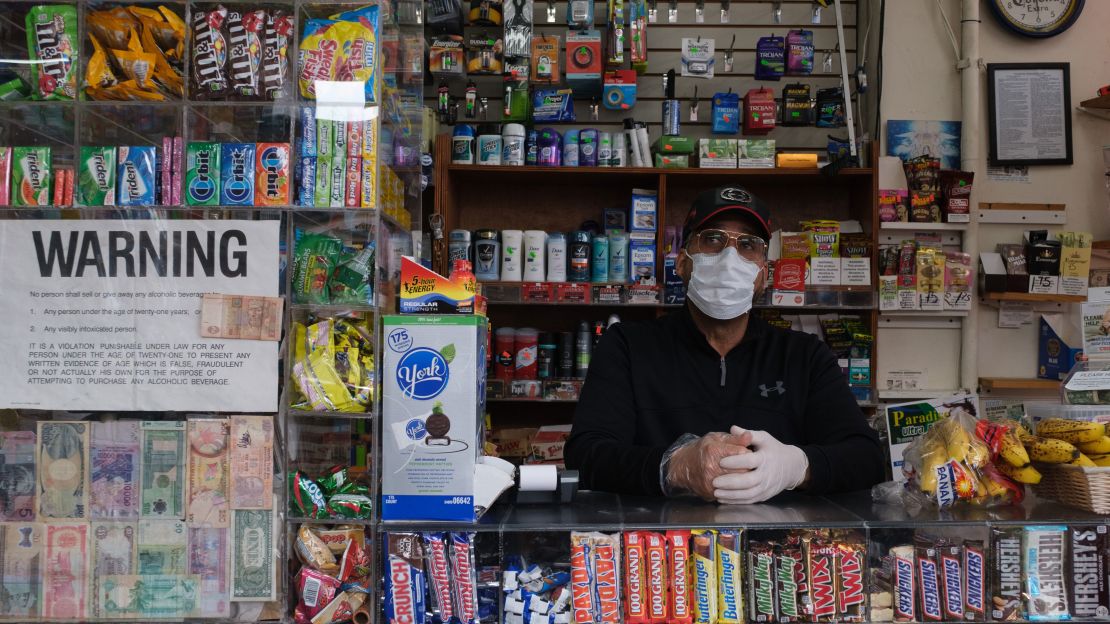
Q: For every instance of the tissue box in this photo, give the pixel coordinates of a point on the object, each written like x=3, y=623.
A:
x=433, y=377
x=1055, y=350
x=717, y=153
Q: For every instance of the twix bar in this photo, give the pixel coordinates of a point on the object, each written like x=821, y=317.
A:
x=850, y=601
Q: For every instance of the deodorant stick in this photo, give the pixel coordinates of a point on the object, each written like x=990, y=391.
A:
x=511, y=267
x=534, y=255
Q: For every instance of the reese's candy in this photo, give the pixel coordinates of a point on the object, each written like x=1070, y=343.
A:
x=821, y=572
x=1006, y=574
x=761, y=575
x=928, y=581
x=272, y=170
x=850, y=601
x=96, y=185
x=209, y=58
x=975, y=582
x=244, y=50
x=52, y=50
x=30, y=176
x=1045, y=550
x=635, y=578
x=731, y=589
x=306, y=497
x=703, y=549
x=1089, y=591
x=678, y=573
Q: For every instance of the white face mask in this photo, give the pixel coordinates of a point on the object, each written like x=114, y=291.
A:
x=722, y=285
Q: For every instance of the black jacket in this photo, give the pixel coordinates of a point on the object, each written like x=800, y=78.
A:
x=651, y=382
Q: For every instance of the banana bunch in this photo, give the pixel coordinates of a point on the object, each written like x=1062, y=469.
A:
x=948, y=444
x=1075, y=442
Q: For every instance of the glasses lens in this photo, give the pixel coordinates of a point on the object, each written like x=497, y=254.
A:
x=751, y=246
x=713, y=241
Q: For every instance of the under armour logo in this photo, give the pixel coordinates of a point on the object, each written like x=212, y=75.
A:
x=764, y=391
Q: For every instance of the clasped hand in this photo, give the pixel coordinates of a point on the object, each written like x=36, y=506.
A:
x=740, y=467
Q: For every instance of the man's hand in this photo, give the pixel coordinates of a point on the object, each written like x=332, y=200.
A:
x=695, y=466
x=759, y=475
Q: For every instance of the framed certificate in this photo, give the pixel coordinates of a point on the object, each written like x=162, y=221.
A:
x=1029, y=108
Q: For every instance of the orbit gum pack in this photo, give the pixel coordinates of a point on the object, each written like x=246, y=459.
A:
x=236, y=174
x=202, y=174
x=272, y=174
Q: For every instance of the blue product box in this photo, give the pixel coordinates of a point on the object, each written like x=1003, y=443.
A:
x=308, y=131
x=237, y=174
x=307, y=175
x=1055, y=353
x=136, y=177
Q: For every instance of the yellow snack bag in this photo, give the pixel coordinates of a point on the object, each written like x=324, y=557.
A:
x=113, y=27
x=127, y=90
x=98, y=74
x=164, y=74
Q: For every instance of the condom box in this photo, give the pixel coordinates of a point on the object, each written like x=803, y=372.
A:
x=433, y=382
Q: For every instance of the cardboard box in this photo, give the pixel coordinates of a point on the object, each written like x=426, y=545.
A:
x=514, y=442
x=717, y=153
x=673, y=145
x=548, y=443
x=789, y=287
x=1058, y=342
x=641, y=254
x=755, y=153
x=1075, y=262
x=423, y=291
x=434, y=373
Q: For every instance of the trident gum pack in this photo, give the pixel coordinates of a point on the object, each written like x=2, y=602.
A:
x=96, y=184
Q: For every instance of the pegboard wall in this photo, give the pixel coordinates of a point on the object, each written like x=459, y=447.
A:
x=747, y=22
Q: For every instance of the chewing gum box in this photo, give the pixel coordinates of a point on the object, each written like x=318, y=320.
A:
x=433, y=380
x=237, y=174
x=96, y=183
x=202, y=174
x=271, y=174
x=30, y=184
x=136, y=179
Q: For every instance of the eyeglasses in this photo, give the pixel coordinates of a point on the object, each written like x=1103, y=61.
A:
x=750, y=246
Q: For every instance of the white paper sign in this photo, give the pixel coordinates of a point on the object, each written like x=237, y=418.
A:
x=105, y=315
x=1089, y=380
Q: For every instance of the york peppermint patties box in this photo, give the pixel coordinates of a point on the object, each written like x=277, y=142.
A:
x=434, y=395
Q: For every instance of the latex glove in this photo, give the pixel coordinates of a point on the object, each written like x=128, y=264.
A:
x=754, y=477
x=694, y=466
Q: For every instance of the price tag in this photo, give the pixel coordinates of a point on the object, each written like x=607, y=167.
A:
x=1044, y=284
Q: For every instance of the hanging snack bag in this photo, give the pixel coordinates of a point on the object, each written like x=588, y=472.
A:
x=52, y=50
x=799, y=52
x=770, y=58
x=209, y=59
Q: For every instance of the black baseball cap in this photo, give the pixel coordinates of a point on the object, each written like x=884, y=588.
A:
x=728, y=199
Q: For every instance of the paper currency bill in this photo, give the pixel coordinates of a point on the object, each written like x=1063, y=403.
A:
x=207, y=485
x=114, y=470
x=64, y=571
x=112, y=548
x=63, y=469
x=17, y=476
x=252, y=462
x=163, y=469
x=20, y=570
x=238, y=316
x=208, y=561
x=163, y=547
x=252, y=559
x=137, y=596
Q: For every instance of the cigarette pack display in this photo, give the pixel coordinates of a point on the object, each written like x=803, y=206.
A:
x=136, y=175
x=237, y=174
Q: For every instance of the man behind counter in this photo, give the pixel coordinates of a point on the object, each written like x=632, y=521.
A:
x=713, y=401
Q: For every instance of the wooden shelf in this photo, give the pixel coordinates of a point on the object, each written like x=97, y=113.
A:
x=1102, y=102
x=1017, y=383
x=504, y=170
x=923, y=227
x=1033, y=297
x=923, y=393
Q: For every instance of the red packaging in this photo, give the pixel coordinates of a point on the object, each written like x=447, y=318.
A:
x=59, y=186
x=975, y=582
x=354, y=139
x=952, y=580
x=821, y=568
x=635, y=578
x=850, y=601
x=439, y=577
x=315, y=590
x=607, y=578
x=582, y=599
x=656, y=567
x=904, y=599
x=759, y=111
x=67, y=198
x=355, y=563
x=526, y=351
x=352, y=195
x=465, y=576
x=678, y=560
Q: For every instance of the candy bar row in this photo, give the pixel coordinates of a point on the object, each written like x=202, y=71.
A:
x=729, y=576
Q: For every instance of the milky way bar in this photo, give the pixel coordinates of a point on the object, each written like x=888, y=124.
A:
x=789, y=582
x=761, y=583
x=1006, y=580
x=1090, y=594
x=1045, y=550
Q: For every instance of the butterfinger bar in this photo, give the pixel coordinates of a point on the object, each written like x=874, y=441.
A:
x=703, y=550
x=678, y=559
x=730, y=596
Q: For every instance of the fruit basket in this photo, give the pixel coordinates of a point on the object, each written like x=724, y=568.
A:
x=1076, y=486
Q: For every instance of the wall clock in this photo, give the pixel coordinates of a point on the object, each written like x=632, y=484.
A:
x=1037, y=18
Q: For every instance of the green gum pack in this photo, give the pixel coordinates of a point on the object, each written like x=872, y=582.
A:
x=96, y=179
